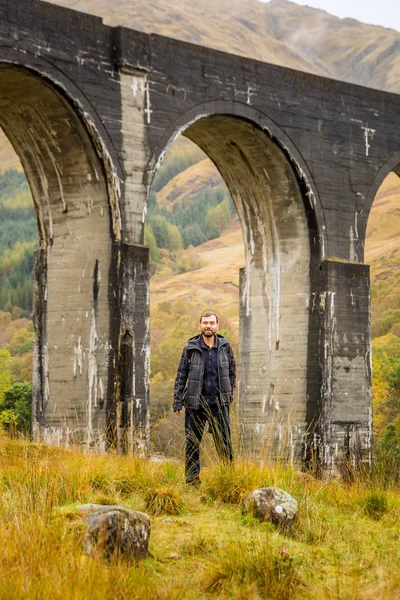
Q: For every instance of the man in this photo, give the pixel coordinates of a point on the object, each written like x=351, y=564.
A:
x=205, y=384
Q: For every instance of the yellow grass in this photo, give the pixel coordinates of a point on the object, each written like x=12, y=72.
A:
x=8, y=158
x=344, y=544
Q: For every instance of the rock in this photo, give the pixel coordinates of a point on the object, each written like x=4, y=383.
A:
x=116, y=530
x=272, y=504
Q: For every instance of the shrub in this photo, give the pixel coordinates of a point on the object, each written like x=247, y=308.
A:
x=376, y=505
x=164, y=500
x=150, y=241
x=246, y=566
x=231, y=483
x=16, y=408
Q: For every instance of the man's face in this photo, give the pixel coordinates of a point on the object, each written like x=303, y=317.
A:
x=208, y=326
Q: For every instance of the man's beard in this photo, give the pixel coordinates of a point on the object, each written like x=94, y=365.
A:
x=208, y=333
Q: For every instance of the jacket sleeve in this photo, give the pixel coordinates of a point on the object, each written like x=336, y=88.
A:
x=180, y=381
x=232, y=369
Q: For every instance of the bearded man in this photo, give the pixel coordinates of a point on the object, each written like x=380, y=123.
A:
x=204, y=385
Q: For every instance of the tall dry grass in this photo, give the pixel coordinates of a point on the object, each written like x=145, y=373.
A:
x=344, y=544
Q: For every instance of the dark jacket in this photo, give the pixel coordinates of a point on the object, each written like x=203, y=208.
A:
x=189, y=379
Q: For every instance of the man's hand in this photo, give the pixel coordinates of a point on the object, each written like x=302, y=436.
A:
x=178, y=412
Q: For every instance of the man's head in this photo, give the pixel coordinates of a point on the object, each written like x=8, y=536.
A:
x=208, y=324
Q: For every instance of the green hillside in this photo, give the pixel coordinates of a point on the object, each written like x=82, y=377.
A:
x=18, y=242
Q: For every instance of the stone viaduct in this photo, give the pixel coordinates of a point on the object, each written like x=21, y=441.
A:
x=91, y=110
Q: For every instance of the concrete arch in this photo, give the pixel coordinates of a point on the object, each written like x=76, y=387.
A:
x=278, y=392
x=254, y=116
x=73, y=94
x=73, y=390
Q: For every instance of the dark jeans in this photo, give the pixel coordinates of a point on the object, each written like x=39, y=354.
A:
x=195, y=421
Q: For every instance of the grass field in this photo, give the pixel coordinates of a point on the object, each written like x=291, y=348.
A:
x=344, y=544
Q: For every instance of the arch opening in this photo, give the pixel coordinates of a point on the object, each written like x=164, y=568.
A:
x=72, y=394
x=279, y=382
x=196, y=251
x=382, y=253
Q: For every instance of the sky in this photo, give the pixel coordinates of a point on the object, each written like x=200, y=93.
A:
x=375, y=12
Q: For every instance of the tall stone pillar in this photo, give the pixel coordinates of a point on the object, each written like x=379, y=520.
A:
x=345, y=421
x=133, y=409
x=133, y=404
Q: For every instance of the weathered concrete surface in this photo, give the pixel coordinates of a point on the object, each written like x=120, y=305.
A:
x=72, y=316
x=91, y=111
x=134, y=372
x=346, y=416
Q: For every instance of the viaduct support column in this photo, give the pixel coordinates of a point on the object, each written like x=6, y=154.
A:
x=133, y=410
x=133, y=404
x=345, y=358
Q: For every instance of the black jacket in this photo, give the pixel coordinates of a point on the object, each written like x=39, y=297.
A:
x=189, y=379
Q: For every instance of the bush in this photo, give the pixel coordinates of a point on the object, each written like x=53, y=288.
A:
x=16, y=408
x=376, y=505
x=6, y=378
x=385, y=322
x=231, y=483
x=150, y=242
x=246, y=566
x=386, y=464
x=10, y=181
x=164, y=500
x=193, y=235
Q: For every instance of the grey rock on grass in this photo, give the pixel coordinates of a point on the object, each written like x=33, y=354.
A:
x=116, y=531
x=272, y=504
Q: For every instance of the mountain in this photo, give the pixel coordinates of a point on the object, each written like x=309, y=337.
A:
x=278, y=32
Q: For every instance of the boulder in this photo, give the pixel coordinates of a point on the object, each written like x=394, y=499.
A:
x=116, y=531
x=272, y=504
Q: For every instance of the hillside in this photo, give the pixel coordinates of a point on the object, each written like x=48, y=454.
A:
x=382, y=250
x=215, y=284
x=187, y=184
x=225, y=256
x=8, y=158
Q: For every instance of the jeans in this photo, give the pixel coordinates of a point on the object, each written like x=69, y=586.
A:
x=195, y=421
